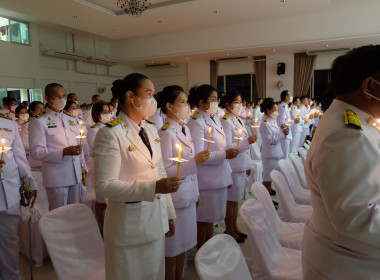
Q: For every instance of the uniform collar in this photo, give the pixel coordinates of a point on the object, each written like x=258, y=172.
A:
x=53, y=113
x=131, y=123
x=339, y=105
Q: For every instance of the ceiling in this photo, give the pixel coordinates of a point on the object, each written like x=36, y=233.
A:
x=102, y=18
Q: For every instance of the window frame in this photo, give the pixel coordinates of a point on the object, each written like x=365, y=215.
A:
x=10, y=31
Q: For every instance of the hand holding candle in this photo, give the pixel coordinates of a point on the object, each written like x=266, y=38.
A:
x=209, y=137
x=238, y=139
x=3, y=150
x=179, y=160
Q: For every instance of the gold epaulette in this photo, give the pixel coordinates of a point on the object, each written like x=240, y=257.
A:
x=5, y=116
x=295, y=107
x=166, y=126
x=266, y=120
x=226, y=116
x=94, y=125
x=114, y=122
x=149, y=121
x=370, y=121
x=67, y=113
x=351, y=119
x=284, y=106
x=196, y=115
x=41, y=115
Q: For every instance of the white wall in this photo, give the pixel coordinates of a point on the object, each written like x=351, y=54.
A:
x=272, y=78
x=235, y=68
x=198, y=73
x=25, y=66
x=324, y=61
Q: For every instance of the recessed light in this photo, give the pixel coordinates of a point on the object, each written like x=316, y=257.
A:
x=75, y=17
x=152, y=61
x=159, y=21
x=274, y=50
x=327, y=45
x=228, y=54
x=282, y=1
x=215, y=12
x=114, y=29
x=187, y=58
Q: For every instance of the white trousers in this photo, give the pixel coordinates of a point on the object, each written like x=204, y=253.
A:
x=295, y=144
x=305, y=132
x=285, y=144
x=138, y=262
x=9, y=220
x=62, y=196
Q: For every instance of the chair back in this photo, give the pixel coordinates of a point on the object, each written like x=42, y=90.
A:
x=299, y=168
x=75, y=245
x=303, y=154
x=255, y=152
x=221, y=258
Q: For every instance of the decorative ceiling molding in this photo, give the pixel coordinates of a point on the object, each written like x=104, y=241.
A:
x=90, y=4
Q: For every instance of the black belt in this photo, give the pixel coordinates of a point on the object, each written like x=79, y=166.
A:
x=132, y=202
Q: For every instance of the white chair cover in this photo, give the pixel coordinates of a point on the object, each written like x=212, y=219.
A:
x=303, y=154
x=298, y=167
x=75, y=245
x=289, y=234
x=255, y=151
x=288, y=209
x=271, y=260
x=308, y=142
x=41, y=208
x=306, y=146
x=221, y=258
x=301, y=195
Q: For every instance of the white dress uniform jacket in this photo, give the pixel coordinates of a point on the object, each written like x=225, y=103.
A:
x=284, y=117
x=215, y=173
x=342, y=238
x=296, y=129
x=92, y=133
x=305, y=124
x=126, y=172
x=158, y=118
x=49, y=134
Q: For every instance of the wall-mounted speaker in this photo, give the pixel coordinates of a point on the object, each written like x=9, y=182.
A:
x=280, y=68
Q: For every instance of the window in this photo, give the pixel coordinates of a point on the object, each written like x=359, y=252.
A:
x=245, y=84
x=321, y=82
x=14, y=31
x=21, y=94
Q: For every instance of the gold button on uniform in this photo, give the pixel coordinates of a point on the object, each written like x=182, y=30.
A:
x=192, y=178
x=158, y=196
x=152, y=166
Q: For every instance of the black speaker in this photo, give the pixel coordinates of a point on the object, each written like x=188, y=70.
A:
x=280, y=68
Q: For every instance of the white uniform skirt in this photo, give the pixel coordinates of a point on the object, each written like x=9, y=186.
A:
x=185, y=236
x=269, y=165
x=236, y=192
x=213, y=205
x=144, y=261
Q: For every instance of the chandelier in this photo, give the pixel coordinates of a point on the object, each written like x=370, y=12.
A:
x=133, y=7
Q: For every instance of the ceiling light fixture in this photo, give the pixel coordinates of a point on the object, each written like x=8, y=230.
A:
x=133, y=7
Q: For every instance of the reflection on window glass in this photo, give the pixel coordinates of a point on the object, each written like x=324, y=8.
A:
x=36, y=95
x=3, y=93
x=220, y=84
x=19, y=32
x=4, y=29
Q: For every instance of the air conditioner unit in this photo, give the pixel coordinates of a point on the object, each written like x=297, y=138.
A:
x=161, y=65
x=100, y=61
x=64, y=55
x=325, y=51
x=247, y=57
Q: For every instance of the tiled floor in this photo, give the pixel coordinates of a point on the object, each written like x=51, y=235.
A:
x=47, y=271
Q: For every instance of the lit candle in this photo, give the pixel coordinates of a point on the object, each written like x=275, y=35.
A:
x=237, y=146
x=179, y=158
x=209, y=137
x=249, y=115
x=299, y=114
x=81, y=136
x=256, y=126
x=2, y=148
x=306, y=119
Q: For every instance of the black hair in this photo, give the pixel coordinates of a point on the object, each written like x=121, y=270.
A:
x=68, y=104
x=295, y=99
x=228, y=98
x=349, y=71
x=7, y=100
x=303, y=98
x=33, y=105
x=258, y=100
x=191, y=97
x=284, y=94
x=19, y=107
x=169, y=95
x=113, y=99
x=95, y=96
x=97, y=109
x=130, y=83
x=50, y=86
x=203, y=92
x=70, y=95
x=267, y=104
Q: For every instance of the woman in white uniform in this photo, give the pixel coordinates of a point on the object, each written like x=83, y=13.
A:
x=129, y=171
x=295, y=115
x=271, y=135
x=22, y=116
x=214, y=176
x=234, y=128
x=173, y=133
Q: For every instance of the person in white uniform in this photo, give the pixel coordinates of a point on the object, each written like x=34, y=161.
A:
x=234, y=128
x=87, y=114
x=295, y=116
x=342, y=237
x=214, y=176
x=15, y=167
x=10, y=104
x=22, y=116
x=272, y=134
x=305, y=119
x=284, y=118
x=173, y=133
x=52, y=140
x=129, y=171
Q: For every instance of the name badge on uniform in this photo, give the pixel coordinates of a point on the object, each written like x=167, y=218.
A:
x=157, y=140
x=132, y=148
x=6, y=129
x=71, y=123
x=50, y=123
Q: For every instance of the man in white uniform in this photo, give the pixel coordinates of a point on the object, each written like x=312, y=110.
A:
x=87, y=114
x=342, y=238
x=16, y=168
x=52, y=140
x=284, y=118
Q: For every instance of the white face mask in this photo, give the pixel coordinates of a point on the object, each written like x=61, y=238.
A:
x=105, y=118
x=13, y=108
x=237, y=109
x=24, y=117
x=76, y=102
x=291, y=99
x=148, y=106
x=182, y=112
x=74, y=112
x=274, y=115
x=58, y=104
x=213, y=109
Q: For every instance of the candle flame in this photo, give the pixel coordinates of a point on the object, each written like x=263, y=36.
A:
x=3, y=140
x=178, y=146
x=81, y=131
x=209, y=129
